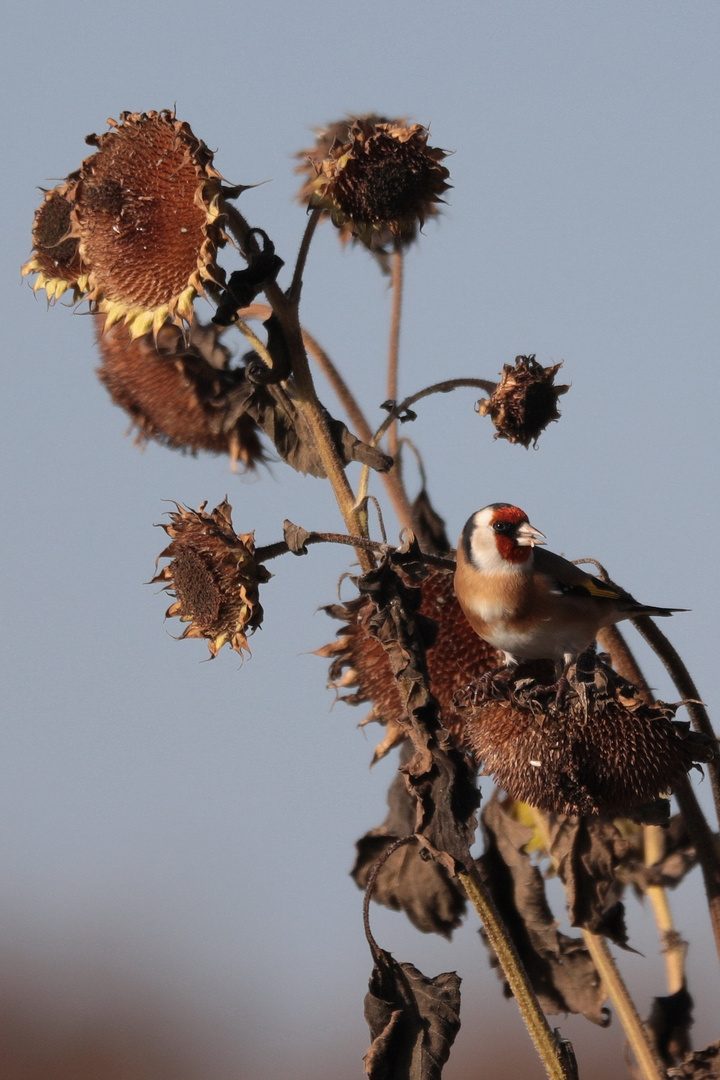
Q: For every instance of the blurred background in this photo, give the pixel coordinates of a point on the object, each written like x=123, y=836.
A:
x=177, y=834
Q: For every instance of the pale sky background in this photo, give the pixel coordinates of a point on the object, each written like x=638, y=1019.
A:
x=177, y=835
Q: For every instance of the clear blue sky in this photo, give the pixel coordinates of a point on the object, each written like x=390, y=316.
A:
x=185, y=829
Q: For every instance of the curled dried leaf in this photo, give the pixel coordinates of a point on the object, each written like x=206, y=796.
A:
x=413, y=1020
x=559, y=967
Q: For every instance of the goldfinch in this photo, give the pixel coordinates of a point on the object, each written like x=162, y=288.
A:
x=528, y=602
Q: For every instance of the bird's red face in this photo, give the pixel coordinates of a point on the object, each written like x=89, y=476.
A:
x=514, y=535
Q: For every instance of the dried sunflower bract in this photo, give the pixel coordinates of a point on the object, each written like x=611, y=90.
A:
x=214, y=576
x=56, y=258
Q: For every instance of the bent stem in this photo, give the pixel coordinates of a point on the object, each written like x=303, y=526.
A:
x=686, y=687
x=397, y=412
x=540, y=1032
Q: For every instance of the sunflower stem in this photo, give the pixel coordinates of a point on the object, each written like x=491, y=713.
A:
x=398, y=265
x=540, y=1032
x=673, y=947
x=686, y=687
x=649, y=1064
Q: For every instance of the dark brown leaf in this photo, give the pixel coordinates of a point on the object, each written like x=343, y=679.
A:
x=560, y=968
x=292, y=437
x=409, y=881
x=413, y=1020
x=669, y=1022
x=587, y=853
x=438, y=775
x=702, y=1065
x=428, y=526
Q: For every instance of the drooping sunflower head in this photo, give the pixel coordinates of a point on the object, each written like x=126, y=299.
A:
x=524, y=401
x=214, y=576
x=360, y=663
x=56, y=258
x=179, y=390
x=377, y=179
x=148, y=212
x=602, y=750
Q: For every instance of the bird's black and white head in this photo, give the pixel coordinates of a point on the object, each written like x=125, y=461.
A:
x=499, y=538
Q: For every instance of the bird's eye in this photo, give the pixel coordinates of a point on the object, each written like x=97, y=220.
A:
x=502, y=526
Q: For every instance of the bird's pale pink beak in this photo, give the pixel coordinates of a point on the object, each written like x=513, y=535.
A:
x=528, y=536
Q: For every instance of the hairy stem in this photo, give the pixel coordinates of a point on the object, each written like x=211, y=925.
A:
x=649, y=1064
x=535, y=1020
x=305, y=397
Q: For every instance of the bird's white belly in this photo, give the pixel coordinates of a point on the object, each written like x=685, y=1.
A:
x=546, y=640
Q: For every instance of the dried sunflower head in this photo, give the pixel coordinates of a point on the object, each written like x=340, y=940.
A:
x=457, y=656
x=56, y=258
x=179, y=392
x=148, y=213
x=377, y=179
x=524, y=401
x=602, y=750
x=214, y=576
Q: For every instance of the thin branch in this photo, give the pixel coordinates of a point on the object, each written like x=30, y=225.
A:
x=296, y=284
x=706, y=849
x=685, y=687
x=398, y=264
x=673, y=947
x=280, y=547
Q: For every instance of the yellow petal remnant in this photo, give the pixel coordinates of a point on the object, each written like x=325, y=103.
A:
x=214, y=576
x=56, y=258
x=380, y=182
x=148, y=208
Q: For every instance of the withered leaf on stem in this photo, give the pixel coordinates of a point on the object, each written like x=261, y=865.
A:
x=420, y=887
x=413, y=1020
x=587, y=853
x=292, y=437
x=702, y=1065
x=438, y=774
x=559, y=967
x=295, y=537
x=669, y=1024
x=678, y=859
